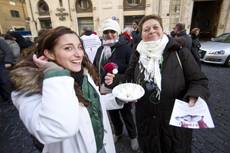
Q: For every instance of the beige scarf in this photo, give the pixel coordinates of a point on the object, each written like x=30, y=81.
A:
x=150, y=58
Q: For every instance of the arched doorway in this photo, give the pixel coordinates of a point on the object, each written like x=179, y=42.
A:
x=44, y=15
x=206, y=17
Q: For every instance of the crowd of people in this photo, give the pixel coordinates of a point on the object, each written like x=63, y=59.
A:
x=62, y=87
x=11, y=46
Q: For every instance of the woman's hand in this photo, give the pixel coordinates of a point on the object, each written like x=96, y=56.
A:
x=109, y=78
x=40, y=61
x=192, y=101
x=45, y=65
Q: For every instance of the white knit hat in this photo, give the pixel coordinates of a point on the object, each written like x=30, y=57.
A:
x=110, y=24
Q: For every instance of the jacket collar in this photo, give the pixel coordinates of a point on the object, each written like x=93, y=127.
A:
x=172, y=45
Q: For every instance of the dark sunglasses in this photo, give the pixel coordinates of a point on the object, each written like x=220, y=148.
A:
x=109, y=31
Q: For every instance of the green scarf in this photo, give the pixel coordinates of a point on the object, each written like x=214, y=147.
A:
x=95, y=111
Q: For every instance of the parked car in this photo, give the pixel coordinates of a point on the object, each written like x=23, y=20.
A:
x=217, y=50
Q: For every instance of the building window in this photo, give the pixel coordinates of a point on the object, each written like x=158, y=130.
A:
x=134, y=4
x=14, y=13
x=43, y=8
x=84, y=22
x=128, y=20
x=45, y=23
x=84, y=6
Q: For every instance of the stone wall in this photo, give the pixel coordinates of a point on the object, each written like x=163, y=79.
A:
x=102, y=9
x=7, y=21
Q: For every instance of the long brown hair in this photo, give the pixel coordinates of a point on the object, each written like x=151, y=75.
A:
x=48, y=40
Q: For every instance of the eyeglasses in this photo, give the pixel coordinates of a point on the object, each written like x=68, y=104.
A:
x=109, y=31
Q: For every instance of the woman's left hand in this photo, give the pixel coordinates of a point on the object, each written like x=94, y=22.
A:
x=192, y=101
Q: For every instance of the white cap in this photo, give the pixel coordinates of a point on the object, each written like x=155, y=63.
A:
x=110, y=24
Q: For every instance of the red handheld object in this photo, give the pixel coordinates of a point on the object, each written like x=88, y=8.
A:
x=109, y=67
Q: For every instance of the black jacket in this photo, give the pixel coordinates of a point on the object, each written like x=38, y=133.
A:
x=176, y=82
x=187, y=38
x=136, y=37
x=6, y=54
x=195, y=48
x=120, y=56
x=152, y=117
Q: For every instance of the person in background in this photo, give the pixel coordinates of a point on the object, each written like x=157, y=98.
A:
x=56, y=94
x=22, y=42
x=116, y=52
x=167, y=71
x=6, y=62
x=173, y=33
x=180, y=32
x=28, y=50
x=196, y=44
x=135, y=34
x=14, y=47
x=91, y=43
x=127, y=36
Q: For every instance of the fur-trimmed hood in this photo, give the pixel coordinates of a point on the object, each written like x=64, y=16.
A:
x=26, y=78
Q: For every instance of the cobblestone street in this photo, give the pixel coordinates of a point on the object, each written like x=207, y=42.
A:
x=15, y=139
x=216, y=140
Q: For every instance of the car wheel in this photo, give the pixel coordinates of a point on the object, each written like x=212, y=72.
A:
x=227, y=62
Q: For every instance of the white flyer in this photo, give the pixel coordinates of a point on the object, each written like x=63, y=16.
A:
x=195, y=117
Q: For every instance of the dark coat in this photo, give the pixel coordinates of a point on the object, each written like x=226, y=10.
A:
x=121, y=53
x=6, y=53
x=136, y=36
x=195, y=48
x=22, y=42
x=177, y=82
x=186, y=37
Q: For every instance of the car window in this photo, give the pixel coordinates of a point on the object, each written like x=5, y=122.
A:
x=228, y=39
x=225, y=38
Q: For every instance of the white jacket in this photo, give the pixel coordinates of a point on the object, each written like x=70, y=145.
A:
x=59, y=121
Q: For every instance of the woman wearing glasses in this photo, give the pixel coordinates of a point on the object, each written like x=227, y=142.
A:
x=117, y=52
x=166, y=71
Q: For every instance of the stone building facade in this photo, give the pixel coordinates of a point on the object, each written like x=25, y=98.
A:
x=212, y=16
x=13, y=14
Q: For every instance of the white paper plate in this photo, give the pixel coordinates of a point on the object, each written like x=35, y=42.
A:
x=128, y=92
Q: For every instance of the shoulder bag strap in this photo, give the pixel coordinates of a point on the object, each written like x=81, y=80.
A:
x=178, y=58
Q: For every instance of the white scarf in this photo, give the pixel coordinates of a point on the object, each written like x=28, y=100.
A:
x=107, y=52
x=150, y=58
